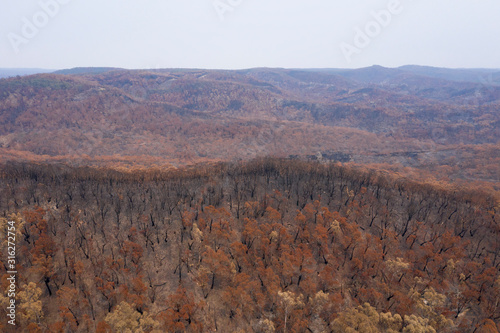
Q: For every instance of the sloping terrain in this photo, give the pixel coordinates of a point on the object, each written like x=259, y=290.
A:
x=262, y=246
x=406, y=118
x=136, y=203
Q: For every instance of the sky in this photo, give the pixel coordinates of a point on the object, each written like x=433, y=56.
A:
x=237, y=34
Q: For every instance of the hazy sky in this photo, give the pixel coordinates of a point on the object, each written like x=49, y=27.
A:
x=249, y=33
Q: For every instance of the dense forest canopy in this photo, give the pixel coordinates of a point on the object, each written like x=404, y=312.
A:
x=269, y=245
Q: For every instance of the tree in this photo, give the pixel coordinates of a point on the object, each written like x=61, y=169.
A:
x=181, y=314
x=428, y=306
x=30, y=304
x=487, y=326
x=289, y=302
x=124, y=318
x=416, y=324
x=366, y=319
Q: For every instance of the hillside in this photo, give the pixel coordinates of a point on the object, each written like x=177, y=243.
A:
x=261, y=200
x=422, y=122
x=262, y=246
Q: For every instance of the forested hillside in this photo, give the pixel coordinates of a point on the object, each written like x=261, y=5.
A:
x=260, y=200
x=432, y=124
x=268, y=245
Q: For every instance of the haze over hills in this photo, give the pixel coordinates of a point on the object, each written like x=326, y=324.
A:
x=442, y=121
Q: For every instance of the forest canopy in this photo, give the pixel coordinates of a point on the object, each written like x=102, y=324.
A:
x=269, y=245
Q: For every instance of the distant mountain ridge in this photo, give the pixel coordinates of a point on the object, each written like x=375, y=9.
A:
x=459, y=74
x=12, y=72
x=379, y=72
x=86, y=70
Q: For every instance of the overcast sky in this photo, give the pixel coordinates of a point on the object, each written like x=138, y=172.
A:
x=249, y=33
